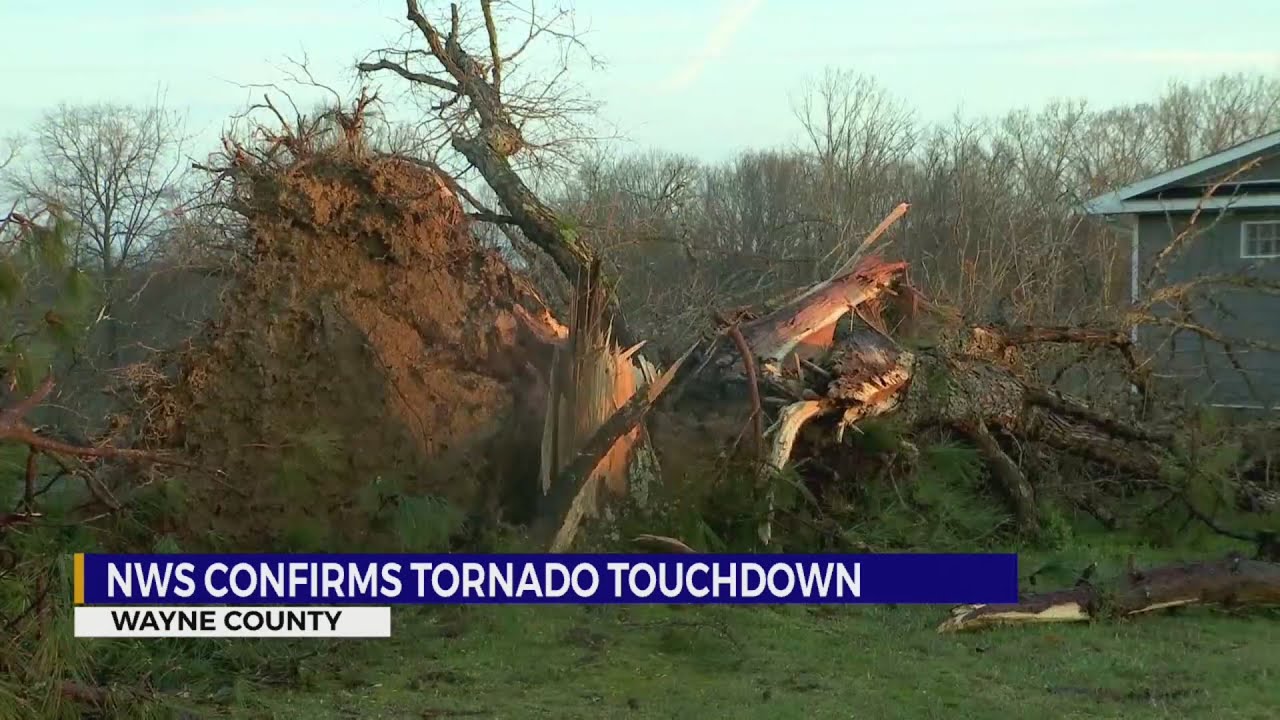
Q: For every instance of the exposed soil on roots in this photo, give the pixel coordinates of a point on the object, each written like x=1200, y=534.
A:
x=370, y=341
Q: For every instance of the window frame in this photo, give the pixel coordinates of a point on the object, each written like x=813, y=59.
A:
x=1244, y=240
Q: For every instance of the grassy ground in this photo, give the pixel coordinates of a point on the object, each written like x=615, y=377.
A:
x=777, y=663
x=790, y=663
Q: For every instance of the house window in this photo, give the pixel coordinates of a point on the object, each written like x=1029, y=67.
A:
x=1260, y=239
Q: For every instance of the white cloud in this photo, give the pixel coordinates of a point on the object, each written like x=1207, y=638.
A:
x=732, y=18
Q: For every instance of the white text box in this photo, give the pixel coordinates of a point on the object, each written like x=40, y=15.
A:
x=231, y=622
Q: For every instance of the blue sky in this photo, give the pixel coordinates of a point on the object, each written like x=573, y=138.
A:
x=705, y=77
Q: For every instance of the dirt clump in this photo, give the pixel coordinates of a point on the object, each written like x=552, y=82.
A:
x=371, y=350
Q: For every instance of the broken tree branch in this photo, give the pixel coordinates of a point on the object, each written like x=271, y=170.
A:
x=1012, y=481
x=777, y=334
x=14, y=428
x=662, y=543
x=894, y=216
x=753, y=385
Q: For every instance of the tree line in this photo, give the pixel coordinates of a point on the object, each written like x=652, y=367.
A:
x=995, y=227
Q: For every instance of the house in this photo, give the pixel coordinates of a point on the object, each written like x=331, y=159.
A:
x=1236, y=233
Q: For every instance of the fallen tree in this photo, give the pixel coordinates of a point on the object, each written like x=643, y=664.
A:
x=824, y=376
x=1231, y=582
x=970, y=379
x=596, y=370
x=809, y=376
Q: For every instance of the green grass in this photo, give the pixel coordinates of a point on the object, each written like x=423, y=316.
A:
x=658, y=662
x=765, y=662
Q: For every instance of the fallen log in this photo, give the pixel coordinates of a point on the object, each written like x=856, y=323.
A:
x=1231, y=582
x=971, y=379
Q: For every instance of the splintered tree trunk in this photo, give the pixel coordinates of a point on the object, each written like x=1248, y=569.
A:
x=592, y=379
x=561, y=520
x=980, y=398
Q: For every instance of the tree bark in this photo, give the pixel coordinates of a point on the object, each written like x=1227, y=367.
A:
x=1007, y=473
x=540, y=224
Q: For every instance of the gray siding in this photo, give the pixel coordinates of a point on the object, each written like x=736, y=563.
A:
x=1202, y=368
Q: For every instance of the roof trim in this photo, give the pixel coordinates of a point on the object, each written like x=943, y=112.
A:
x=1125, y=207
x=1104, y=204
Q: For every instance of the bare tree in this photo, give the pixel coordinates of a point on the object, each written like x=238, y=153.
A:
x=860, y=137
x=495, y=121
x=8, y=152
x=115, y=171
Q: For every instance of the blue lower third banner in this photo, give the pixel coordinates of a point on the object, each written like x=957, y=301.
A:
x=333, y=580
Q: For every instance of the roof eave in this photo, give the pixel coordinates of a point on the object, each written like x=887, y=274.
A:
x=1233, y=154
x=1115, y=206
x=1109, y=204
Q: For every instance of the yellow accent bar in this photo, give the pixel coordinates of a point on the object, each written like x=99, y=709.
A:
x=77, y=582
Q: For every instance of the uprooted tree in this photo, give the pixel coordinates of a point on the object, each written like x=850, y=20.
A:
x=974, y=380
x=596, y=371
x=370, y=330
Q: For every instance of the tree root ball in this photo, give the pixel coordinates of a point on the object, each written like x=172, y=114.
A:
x=370, y=341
